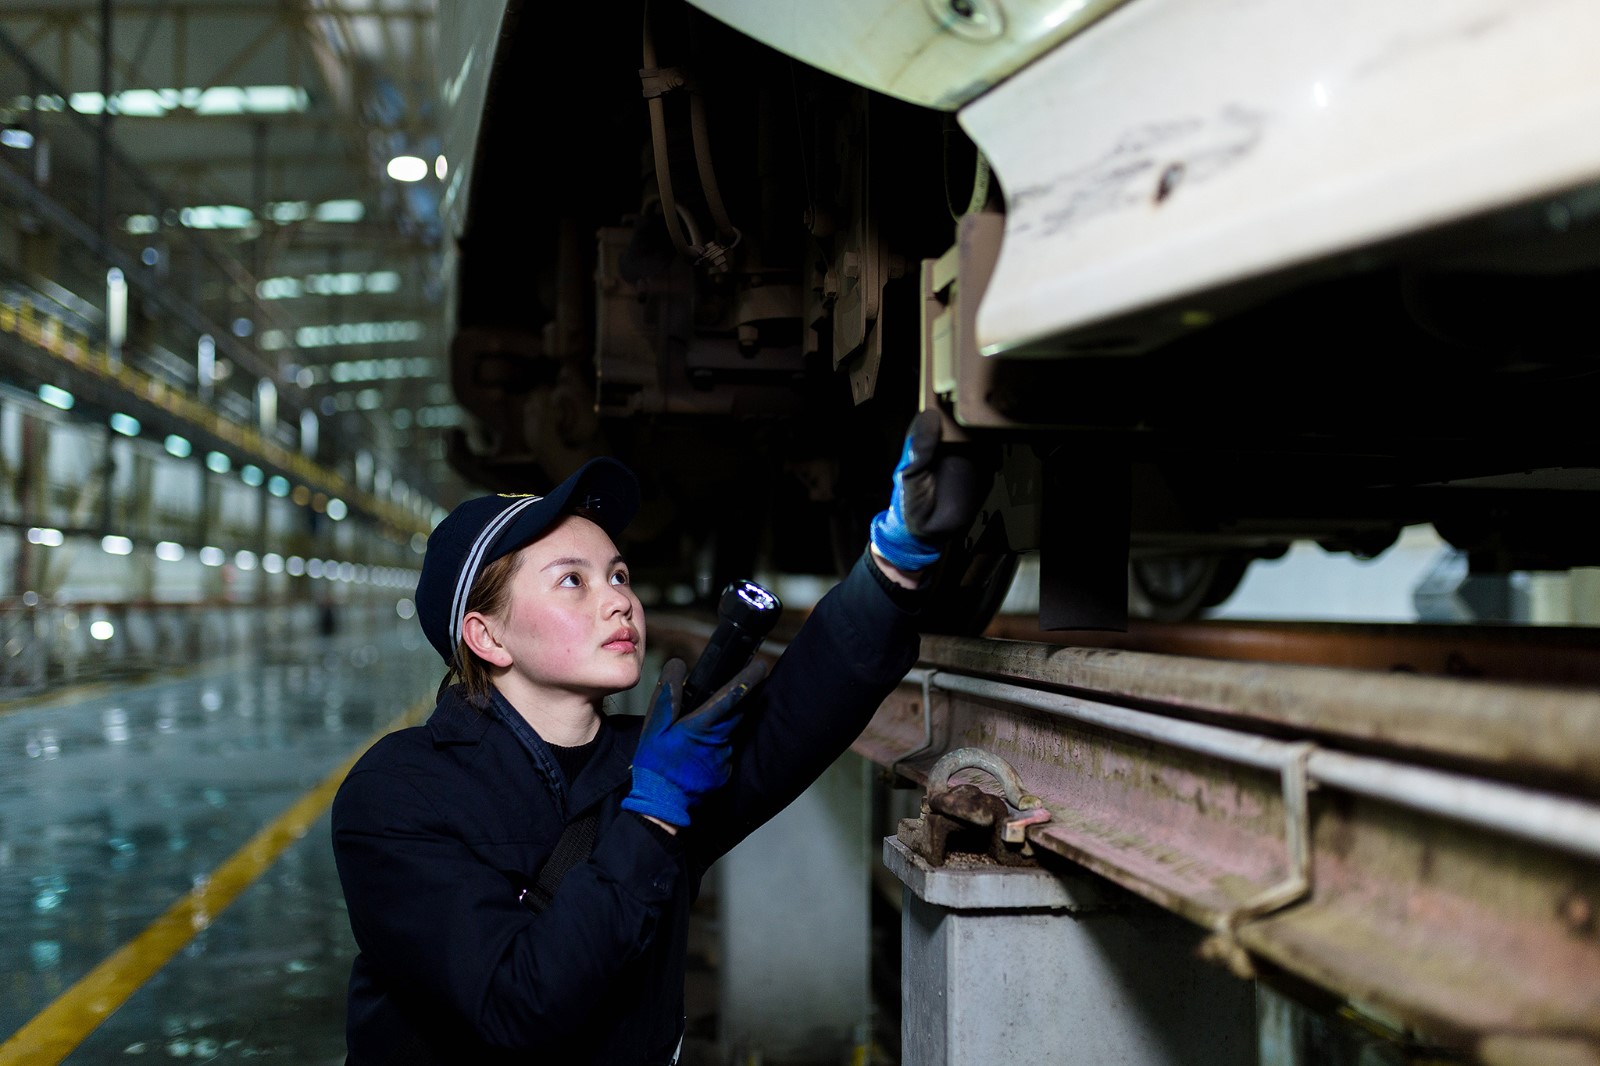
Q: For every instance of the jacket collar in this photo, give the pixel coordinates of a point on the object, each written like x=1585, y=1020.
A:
x=457, y=721
x=611, y=766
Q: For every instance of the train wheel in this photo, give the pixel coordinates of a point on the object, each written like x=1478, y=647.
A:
x=1176, y=588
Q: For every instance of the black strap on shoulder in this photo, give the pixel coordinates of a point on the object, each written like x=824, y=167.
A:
x=577, y=841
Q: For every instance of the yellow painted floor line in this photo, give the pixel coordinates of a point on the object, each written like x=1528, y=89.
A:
x=54, y=1032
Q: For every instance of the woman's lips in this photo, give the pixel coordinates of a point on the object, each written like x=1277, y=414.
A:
x=622, y=640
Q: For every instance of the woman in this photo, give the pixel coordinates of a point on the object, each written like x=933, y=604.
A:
x=449, y=836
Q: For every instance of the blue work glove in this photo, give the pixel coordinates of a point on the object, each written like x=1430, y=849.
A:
x=679, y=760
x=934, y=497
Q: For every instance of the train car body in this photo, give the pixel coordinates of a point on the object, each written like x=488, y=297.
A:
x=1193, y=279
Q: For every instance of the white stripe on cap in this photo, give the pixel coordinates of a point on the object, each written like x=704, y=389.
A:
x=469, y=569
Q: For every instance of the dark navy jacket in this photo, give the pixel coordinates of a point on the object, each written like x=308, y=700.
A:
x=438, y=828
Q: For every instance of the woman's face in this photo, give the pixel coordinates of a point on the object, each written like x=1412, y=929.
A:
x=571, y=622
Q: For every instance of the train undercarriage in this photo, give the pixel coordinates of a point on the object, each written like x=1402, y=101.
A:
x=742, y=275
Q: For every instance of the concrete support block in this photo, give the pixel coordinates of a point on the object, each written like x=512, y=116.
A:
x=1022, y=965
x=794, y=928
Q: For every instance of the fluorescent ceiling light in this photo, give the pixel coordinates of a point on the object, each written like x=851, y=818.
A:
x=127, y=425
x=421, y=366
x=56, y=397
x=347, y=283
x=216, y=216
x=279, y=288
x=288, y=211
x=340, y=211
x=408, y=168
x=392, y=332
x=156, y=103
x=16, y=138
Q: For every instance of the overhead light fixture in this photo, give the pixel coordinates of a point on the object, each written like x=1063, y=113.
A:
x=339, y=211
x=441, y=167
x=408, y=168
x=213, y=100
x=116, y=313
x=59, y=398
x=216, y=216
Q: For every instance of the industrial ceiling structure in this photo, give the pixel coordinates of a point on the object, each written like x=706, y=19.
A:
x=268, y=171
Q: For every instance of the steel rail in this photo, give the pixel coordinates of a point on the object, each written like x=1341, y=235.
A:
x=1500, y=729
x=1436, y=896
x=1338, y=826
x=1571, y=825
x=1543, y=655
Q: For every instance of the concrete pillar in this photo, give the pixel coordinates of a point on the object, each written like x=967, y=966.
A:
x=795, y=929
x=1020, y=965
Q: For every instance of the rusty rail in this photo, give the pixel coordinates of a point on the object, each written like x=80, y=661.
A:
x=1425, y=850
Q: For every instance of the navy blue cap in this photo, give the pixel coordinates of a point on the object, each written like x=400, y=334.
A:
x=482, y=530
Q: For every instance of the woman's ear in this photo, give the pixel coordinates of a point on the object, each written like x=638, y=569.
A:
x=478, y=632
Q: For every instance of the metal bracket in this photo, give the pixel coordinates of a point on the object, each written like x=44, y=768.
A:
x=1296, y=784
x=1222, y=946
x=926, y=677
x=658, y=81
x=952, y=762
x=1031, y=809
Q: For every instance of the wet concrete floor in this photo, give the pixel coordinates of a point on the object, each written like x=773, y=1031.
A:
x=116, y=801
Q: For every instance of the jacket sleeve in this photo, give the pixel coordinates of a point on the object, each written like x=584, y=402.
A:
x=440, y=923
x=851, y=652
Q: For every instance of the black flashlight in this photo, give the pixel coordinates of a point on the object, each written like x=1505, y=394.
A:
x=746, y=614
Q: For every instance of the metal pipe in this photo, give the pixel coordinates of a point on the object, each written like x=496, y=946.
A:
x=1548, y=729
x=923, y=678
x=1571, y=825
x=102, y=175
x=1205, y=739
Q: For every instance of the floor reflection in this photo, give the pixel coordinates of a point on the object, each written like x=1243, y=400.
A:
x=115, y=803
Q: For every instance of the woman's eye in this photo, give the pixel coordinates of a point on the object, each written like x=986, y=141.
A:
x=569, y=581
x=619, y=578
